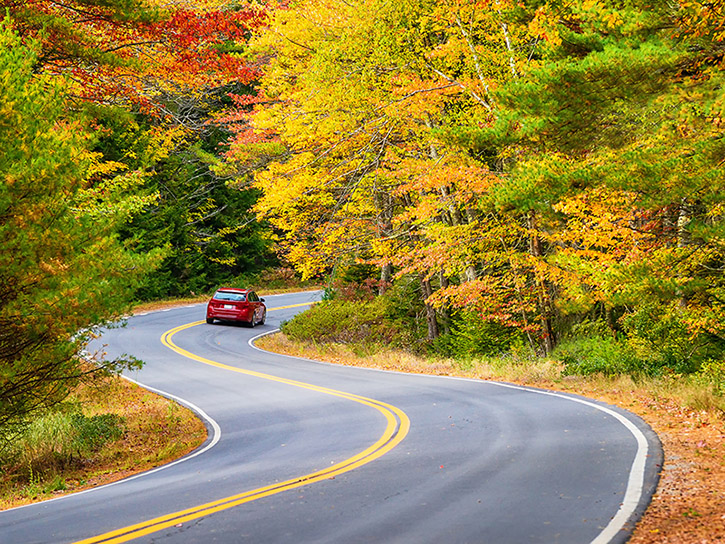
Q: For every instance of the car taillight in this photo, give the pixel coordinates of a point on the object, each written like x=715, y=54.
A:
x=228, y=304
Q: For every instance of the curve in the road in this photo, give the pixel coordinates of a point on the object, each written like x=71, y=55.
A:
x=634, y=493
x=635, y=484
x=525, y=468
x=396, y=429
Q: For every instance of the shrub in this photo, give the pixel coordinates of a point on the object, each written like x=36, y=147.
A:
x=655, y=341
x=712, y=371
x=471, y=336
x=345, y=322
x=58, y=440
x=597, y=355
x=661, y=338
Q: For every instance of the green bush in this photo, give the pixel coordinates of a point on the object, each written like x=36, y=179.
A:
x=660, y=337
x=471, y=336
x=654, y=341
x=404, y=303
x=344, y=322
x=597, y=355
x=58, y=440
x=352, y=313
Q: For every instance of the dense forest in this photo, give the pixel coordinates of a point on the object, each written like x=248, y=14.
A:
x=465, y=177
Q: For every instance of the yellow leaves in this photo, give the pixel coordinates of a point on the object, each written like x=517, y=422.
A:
x=613, y=20
x=200, y=212
x=442, y=186
x=7, y=109
x=414, y=98
x=717, y=211
x=103, y=168
x=114, y=198
x=602, y=223
x=360, y=92
x=53, y=266
x=385, y=249
x=703, y=19
x=289, y=186
x=545, y=25
x=165, y=139
x=230, y=261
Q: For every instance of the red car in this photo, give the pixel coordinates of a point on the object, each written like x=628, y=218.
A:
x=240, y=305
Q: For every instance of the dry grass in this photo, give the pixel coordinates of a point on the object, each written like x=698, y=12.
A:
x=689, y=506
x=157, y=431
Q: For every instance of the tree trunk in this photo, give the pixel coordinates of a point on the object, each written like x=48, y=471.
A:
x=445, y=313
x=430, y=312
x=545, y=305
x=684, y=217
x=684, y=238
x=386, y=278
x=611, y=322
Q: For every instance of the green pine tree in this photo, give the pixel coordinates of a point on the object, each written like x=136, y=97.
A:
x=62, y=268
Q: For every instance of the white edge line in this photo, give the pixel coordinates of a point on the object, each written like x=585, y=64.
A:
x=211, y=424
x=635, y=484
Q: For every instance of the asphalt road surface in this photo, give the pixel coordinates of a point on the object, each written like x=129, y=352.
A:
x=306, y=452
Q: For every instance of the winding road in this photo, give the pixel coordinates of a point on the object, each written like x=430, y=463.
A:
x=307, y=452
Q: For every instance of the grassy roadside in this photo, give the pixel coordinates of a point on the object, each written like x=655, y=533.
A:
x=156, y=431
x=689, y=506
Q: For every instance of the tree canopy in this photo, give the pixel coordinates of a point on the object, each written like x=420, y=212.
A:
x=107, y=144
x=524, y=168
x=541, y=163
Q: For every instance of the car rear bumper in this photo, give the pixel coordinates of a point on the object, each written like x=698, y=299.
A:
x=230, y=315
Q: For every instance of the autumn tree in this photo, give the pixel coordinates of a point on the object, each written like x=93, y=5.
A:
x=359, y=98
x=146, y=54
x=152, y=75
x=63, y=268
x=621, y=137
x=539, y=163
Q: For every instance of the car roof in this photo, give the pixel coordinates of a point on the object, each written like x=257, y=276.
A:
x=233, y=290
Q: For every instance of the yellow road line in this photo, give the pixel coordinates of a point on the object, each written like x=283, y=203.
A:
x=396, y=429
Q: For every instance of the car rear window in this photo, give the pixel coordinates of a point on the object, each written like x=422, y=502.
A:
x=226, y=295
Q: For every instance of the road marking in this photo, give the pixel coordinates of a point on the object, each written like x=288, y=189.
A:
x=635, y=482
x=396, y=429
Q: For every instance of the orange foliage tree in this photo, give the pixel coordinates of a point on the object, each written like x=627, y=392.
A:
x=366, y=167
x=137, y=52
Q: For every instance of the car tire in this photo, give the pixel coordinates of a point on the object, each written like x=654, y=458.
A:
x=210, y=320
x=252, y=323
x=264, y=318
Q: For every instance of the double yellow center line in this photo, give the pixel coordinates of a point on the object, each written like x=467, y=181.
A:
x=397, y=426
